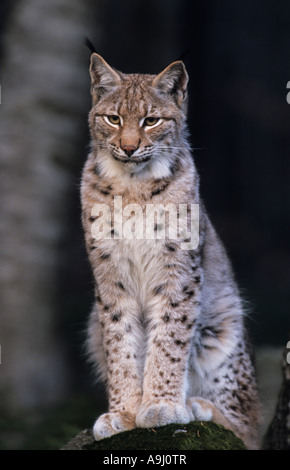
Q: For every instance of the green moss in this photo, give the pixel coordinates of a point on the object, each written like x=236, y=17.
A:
x=192, y=436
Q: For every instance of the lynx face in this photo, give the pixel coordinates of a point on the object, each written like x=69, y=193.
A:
x=135, y=118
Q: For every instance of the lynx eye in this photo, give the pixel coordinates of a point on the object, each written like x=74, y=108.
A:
x=151, y=121
x=113, y=119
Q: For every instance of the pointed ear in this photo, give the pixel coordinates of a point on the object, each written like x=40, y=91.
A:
x=103, y=77
x=173, y=81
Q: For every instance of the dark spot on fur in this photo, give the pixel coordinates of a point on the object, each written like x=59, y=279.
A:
x=175, y=359
x=155, y=192
x=106, y=307
x=105, y=256
x=170, y=247
x=159, y=189
x=97, y=169
x=116, y=317
x=189, y=294
x=192, y=254
x=104, y=192
x=166, y=318
x=208, y=331
x=174, y=304
x=233, y=407
x=208, y=347
x=183, y=319
x=175, y=166
x=157, y=290
x=119, y=284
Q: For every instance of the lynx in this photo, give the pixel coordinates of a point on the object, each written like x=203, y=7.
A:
x=166, y=332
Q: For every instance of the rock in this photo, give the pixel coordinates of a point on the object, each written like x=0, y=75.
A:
x=193, y=436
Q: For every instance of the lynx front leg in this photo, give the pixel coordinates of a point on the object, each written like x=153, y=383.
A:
x=163, y=400
x=165, y=372
x=119, y=351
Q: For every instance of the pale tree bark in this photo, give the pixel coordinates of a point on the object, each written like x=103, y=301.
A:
x=45, y=97
x=278, y=435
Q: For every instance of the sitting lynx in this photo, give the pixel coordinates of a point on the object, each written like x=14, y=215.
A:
x=167, y=329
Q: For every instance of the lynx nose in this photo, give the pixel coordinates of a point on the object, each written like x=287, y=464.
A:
x=129, y=149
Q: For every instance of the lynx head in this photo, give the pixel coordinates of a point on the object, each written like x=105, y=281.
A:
x=137, y=121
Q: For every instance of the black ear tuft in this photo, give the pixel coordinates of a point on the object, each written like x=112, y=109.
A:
x=90, y=45
x=184, y=54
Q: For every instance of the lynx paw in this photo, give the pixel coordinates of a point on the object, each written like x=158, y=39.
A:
x=159, y=413
x=112, y=423
x=200, y=409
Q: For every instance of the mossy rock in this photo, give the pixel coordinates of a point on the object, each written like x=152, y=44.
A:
x=192, y=436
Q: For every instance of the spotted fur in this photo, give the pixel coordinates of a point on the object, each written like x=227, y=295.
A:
x=167, y=330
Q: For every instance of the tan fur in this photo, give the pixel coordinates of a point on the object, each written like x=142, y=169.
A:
x=166, y=332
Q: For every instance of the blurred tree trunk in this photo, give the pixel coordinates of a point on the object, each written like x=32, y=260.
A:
x=45, y=98
x=278, y=435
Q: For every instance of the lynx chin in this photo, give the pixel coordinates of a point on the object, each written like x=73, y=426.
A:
x=166, y=333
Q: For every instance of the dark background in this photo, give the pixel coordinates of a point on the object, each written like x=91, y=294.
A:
x=238, y=58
